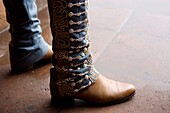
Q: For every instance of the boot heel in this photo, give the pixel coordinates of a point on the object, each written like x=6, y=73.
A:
x=56, y=99
x=60, y=101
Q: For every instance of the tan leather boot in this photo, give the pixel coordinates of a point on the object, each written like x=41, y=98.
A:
x=73, y=74
x=107, y=91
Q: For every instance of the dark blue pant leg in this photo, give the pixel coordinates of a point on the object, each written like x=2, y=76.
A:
x=27, y=45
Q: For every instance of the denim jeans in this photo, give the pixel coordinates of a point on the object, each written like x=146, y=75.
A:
x=27, y=45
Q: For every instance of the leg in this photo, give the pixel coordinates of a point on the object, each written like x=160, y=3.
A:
x=27, y=45
x=73, y=74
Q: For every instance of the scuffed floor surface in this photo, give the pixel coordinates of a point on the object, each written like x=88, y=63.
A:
x=130, y=43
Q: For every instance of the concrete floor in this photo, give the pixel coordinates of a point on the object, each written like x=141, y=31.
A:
x=130, y=43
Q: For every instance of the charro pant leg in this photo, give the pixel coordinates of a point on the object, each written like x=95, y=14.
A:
x=73, y=68
x=27, y=45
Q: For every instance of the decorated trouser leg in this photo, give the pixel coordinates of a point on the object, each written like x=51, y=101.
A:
x=27, y=45
x=73, y=74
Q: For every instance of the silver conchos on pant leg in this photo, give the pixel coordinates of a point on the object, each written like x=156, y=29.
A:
x=72, y=59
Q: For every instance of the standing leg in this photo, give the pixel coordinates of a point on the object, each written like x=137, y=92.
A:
x=27, y=45
x=73, y=74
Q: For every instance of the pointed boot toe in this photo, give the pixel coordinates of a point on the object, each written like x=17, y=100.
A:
x=126, y=89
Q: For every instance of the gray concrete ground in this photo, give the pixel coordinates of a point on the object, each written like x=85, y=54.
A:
x=130, y=43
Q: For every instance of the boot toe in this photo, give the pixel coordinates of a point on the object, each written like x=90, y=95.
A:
x=126, y=90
